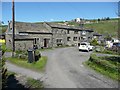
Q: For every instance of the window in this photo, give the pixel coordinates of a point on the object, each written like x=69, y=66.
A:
x=68, y=38
x=68, y=32
x=56, y=31
x=59, y=40
x=83, y=32
x=74, y=38
x=75, y=32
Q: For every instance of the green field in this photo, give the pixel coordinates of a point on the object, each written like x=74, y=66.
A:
x=102, y=27
x=105, y=27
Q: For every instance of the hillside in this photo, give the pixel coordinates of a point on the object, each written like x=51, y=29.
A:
x=102, y=27
x=105, y=27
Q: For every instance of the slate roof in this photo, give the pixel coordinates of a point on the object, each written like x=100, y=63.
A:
x=97, y=34
x=44, y=27
x=31, y=27
x=55, y=25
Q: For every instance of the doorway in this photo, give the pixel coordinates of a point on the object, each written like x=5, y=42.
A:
x=46, y=42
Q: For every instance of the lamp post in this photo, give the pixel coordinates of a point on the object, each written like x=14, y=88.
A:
x=13, y=29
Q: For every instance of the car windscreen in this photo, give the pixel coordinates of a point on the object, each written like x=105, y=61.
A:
x=83, y=44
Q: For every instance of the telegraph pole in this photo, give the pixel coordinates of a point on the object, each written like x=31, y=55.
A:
x=13, y=29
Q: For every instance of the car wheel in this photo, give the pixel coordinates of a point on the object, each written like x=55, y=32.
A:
x=87, y=50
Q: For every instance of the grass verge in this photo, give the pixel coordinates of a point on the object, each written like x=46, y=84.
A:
x=32, y=83
x=15, y=80
x=101, y=49
x=109, y=68
x=37, y=66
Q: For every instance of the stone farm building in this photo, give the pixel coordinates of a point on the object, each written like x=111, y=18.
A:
x=46, y=35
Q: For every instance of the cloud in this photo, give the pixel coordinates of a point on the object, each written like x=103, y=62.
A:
x=51, y=19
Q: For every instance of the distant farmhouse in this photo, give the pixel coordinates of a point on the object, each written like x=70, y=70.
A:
x=46, y=35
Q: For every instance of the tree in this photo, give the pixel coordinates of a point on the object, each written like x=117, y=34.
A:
x=98, y=19
x=107, y=18
x=94, y=42
x=4, y=69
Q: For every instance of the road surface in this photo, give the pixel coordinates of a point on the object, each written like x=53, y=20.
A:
x=65, y=69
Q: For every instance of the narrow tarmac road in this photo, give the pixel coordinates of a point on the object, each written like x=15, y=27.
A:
x=65, y=69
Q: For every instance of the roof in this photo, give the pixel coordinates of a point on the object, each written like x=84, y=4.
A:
x=97, y=34
x=31, y=27
x=55, y=25
x=43, y=27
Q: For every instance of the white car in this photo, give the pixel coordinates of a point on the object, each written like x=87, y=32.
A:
x=85, y=46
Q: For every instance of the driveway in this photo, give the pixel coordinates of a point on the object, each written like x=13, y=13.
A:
x=64, y=69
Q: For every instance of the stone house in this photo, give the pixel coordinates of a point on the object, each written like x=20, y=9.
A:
x=45, y=35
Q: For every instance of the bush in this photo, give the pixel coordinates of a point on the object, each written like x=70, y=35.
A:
x=37, y=55
x=99, y=49
x=94, y=42
x=21, y=52
x=3, y=48
x=22, y=56
x=4, y=73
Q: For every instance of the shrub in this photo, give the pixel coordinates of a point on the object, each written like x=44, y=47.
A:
x=37, y=55
x=23, y=56
x=4, y=73
x=3, y=48
x=94, y=42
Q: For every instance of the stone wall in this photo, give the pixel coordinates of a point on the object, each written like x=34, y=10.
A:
x=23, y=45
x=41, y=39
x=59, y=37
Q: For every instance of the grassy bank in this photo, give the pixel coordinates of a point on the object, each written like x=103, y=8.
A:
x=32, y=83
x=101, y=49
x=108, y=65
x=37, y=66
x=15, y=80
x=105, y=27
